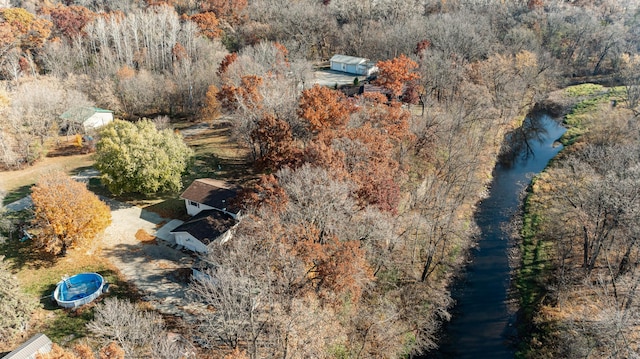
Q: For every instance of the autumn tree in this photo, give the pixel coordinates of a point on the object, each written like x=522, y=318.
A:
x=211, y=109
x=274, y=145
x=394, y=74
x=233, y=11
x=138, y=158
x=208, y=24
x=66, y=212
x=69, y=21
x=324, y=109
x=15, y=306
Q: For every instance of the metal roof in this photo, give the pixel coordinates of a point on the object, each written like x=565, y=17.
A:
x=352, y=60
x=80, y=114
x=38, y=343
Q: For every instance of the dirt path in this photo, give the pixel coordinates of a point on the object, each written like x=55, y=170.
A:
x=12, y=180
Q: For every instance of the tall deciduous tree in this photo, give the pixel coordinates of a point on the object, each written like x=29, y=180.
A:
x=395, y=73
x=66, y=212
x=324, y=109
x=138, y=158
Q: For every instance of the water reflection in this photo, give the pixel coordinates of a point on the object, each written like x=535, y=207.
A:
x=518, y=144
x=482, y=325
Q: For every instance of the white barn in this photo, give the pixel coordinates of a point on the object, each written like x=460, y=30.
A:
x=86, y=118
x=352, y=65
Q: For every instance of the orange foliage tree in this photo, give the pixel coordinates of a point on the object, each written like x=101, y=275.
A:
x=246, y=96
x=274, y=144
x=395, y=73
x=69, y=20
x=226, y=62
x=29, y=31
x=66, y=212
x=211, y=109
x=233, y=11
x=324, y=109
x=208, y=24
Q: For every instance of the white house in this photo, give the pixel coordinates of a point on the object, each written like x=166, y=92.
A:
x=203, y=229
x=86, y=118
x=37, y=344
x=352, y=65
x=207, y=193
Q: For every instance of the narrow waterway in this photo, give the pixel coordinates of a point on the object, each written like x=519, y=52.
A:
x=482, y=325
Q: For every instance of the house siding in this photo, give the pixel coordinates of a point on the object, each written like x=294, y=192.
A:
x=192, y=210
x=190, y=242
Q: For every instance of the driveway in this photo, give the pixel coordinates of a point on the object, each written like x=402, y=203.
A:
x=159, y=271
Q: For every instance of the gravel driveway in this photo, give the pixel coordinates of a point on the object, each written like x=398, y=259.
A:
x=156, y=269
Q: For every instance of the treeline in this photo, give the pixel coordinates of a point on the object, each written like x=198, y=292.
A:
x=363, y=213
x=160, y=57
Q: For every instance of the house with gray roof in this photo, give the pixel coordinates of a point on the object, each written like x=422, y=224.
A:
x=210, y=202
x=210, y=194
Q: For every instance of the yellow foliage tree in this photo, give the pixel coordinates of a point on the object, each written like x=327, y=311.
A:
x=66, y=212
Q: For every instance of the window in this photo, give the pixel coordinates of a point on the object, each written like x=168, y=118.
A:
x=195, y=204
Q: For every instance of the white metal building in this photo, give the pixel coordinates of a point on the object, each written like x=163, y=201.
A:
x=352, y=65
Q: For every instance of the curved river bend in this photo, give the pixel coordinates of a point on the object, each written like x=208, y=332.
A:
x=482, y=325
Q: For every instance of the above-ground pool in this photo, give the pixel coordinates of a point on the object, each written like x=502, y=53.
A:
x=79, y=290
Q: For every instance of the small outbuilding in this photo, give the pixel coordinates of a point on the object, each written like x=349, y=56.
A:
x=353, y=65
x=37, y=344
x=85, y=119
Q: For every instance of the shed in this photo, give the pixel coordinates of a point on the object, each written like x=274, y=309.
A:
x=86, y=118
x=37, y=344
x=352, y=65
x=201, y=230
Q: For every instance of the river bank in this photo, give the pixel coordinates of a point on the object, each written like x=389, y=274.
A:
x=483, y=317
x=554, y=288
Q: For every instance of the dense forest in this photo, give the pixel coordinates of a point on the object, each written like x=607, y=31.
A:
x=360, y=210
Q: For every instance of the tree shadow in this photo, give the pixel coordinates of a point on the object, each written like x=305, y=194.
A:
x=17, y=194
x=24, y=253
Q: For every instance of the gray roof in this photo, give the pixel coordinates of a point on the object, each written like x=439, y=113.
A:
x=214, y=193
x=37, y=344
x=207, y=226
x=344, y=59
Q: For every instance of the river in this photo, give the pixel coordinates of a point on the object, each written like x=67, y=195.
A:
x=482, y=325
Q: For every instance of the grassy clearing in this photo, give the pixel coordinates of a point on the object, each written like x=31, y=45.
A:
x=595, y=97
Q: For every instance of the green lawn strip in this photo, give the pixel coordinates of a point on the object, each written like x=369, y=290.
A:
x=595, y=95
x=531, y=277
